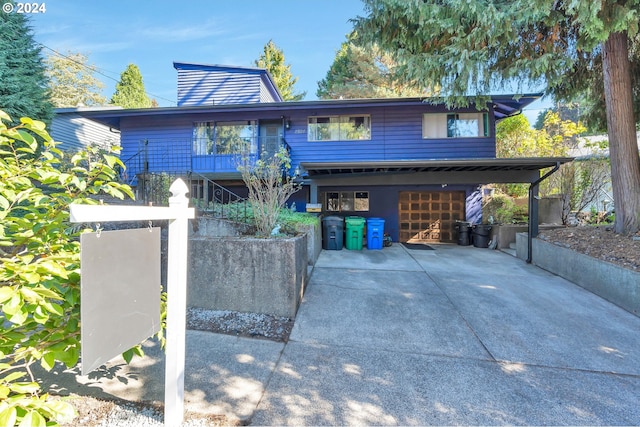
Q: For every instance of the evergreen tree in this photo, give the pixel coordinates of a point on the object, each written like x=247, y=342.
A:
x=473, y=46
x=72, y=82
x=130, y=91
x=365, y=72
x=272, y=59
x=23, y=84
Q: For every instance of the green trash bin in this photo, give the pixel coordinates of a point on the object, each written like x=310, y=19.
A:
x=354, y=232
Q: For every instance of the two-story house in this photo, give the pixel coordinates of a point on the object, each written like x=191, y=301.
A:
x=411, y=161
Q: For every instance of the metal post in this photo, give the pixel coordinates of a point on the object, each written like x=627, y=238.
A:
x=176, y=307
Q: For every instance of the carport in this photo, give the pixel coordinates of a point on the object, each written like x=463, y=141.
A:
x=429, y=173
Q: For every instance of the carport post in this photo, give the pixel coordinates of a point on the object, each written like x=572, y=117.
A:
x=533, y=211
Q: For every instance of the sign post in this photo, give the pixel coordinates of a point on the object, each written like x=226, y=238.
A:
x=178, y=213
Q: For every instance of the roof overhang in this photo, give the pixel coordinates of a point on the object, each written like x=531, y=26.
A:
x=447, y=171
x=503, y=106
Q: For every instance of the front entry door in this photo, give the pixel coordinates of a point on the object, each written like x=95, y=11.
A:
x=270, y=138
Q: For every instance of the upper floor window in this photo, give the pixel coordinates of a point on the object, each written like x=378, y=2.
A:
x=339, y=128
x=455, y=125
x=225, y=137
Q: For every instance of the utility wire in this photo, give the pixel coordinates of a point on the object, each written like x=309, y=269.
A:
x=102, y=72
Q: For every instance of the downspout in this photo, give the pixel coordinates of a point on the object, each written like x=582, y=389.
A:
x=530, y=228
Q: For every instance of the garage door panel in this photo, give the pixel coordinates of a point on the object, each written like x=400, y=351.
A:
x=433, y=219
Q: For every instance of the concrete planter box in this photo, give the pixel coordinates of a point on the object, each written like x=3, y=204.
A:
x=247, y=274
x=618, y=285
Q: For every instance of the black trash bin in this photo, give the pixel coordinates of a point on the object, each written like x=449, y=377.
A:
x=481, y=235
x=464, y=233
x=332, y=233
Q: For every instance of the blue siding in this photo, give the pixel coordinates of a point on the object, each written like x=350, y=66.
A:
x=220, y=85
x=156, y=145
x=396, y=134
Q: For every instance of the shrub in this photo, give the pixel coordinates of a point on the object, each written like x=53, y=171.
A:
x=40, y=257
x=499, y=207
x=270, y=187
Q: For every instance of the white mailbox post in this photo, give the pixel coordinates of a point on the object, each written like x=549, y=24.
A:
x=178, y=213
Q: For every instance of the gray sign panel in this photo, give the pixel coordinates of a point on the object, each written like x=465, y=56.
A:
x=120, y=292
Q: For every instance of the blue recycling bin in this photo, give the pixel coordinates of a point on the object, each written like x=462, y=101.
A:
x=375, y=233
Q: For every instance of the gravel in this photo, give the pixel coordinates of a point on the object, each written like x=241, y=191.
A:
x=250, y=325
x=94, y=412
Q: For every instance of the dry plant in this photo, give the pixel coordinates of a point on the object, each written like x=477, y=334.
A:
x=270, y=186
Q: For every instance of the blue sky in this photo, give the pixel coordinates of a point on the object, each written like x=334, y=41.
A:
x=153, y=34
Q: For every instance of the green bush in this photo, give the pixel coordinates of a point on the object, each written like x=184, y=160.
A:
x=40, y=263
x=501, y=208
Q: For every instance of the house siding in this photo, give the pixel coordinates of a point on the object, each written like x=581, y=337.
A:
x=75, y=132
x=200, y=84
x=396, y=134
x=224, y=87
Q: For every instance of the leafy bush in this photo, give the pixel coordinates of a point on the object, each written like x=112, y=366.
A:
x=501, y=208
x=40, y=257
x=288, y=219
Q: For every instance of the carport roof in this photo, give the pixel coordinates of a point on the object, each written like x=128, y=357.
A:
x=334, y=169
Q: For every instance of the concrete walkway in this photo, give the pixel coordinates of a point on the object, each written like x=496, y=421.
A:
x=456, y=335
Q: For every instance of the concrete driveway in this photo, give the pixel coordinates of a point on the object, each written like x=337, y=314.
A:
x=451, y=336
x=456, y=335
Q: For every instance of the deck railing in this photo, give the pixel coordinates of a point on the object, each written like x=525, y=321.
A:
x=158, y=162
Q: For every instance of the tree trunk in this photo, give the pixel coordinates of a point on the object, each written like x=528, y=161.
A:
x=623, y=145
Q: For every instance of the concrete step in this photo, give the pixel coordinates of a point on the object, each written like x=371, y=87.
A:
x=510, y=251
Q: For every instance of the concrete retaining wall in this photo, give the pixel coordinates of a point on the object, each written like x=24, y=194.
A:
x=247, y=274
x=505, y=234
x=618, y=285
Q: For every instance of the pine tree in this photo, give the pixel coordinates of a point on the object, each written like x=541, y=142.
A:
x=272, y=59
x=23, y=84
x=72, y=82
x=365, y=72
x=130, y=91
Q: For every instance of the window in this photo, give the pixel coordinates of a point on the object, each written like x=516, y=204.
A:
x=224, y=137
x=339, y=128
x=346, y=201
x=458, y=125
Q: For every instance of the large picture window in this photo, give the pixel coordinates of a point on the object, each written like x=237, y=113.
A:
x=225, y=137
x=455, y=125
x=339, y=128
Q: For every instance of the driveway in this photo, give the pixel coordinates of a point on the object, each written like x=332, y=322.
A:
x=455, y=335
x=451, y=336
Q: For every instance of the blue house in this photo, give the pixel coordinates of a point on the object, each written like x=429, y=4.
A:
x=412, y=162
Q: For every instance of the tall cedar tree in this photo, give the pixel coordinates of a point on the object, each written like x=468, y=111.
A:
x=72, y=82
x=23, y=84
x=471, y=46
x=364, y=72
x=130, y=91
x=272, y=59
